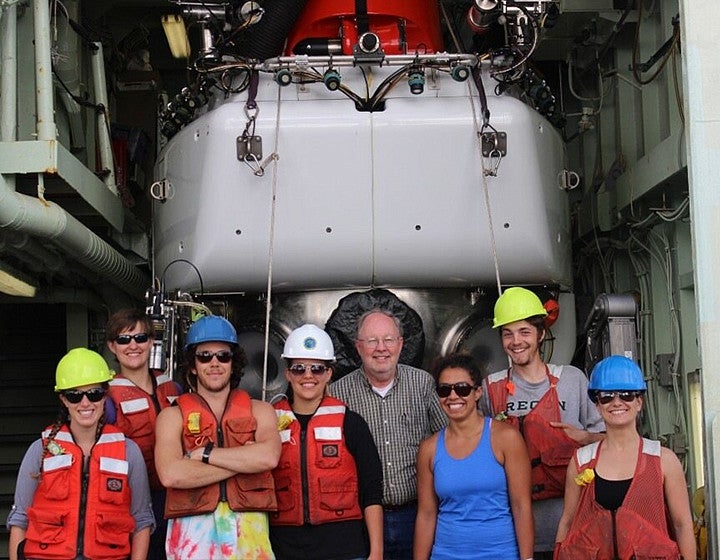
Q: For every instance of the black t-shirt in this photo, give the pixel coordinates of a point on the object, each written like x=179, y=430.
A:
x=340, y=540
x=610, y=493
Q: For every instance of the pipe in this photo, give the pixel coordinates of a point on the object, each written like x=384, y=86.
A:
x=49, y=221
x=8, y=74
x=43, y=72
x=67, y=69
x=33, y=253
x=103, y=119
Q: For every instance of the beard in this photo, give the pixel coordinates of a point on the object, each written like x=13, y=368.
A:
x=526, y=357
x=215, y=387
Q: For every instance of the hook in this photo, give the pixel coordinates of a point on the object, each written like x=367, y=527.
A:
x=495, y=158
x=259, y=168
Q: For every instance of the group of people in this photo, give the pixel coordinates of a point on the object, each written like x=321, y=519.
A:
x=387, y=462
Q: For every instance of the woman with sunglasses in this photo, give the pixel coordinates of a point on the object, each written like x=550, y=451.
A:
x=82, y=489
x=137, y=395
x=625, y=496
x=473, y=478
x=329, y=479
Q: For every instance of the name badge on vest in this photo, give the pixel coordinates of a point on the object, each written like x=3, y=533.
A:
x=328, y=434
x=329, y=450
x=57, y=462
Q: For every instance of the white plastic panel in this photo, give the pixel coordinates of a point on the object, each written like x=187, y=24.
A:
x=442, y=236
x=220, y=216
x=391, y=198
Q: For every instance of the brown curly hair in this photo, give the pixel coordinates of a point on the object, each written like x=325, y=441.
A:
x=187, y=365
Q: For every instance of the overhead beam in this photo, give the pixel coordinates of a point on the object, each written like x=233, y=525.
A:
x=39, y=156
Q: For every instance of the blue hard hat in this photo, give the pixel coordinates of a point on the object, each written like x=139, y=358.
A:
x=616, y=373
x=211, y=329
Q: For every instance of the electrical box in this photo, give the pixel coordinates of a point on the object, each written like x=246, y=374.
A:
x=610, y=329
x=663, y=369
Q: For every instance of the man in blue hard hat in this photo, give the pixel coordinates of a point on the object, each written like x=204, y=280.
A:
x=214, y=453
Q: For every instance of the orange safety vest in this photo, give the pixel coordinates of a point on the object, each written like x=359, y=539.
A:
x=136, y=415
x=550, y=449
x=637, y=530
x=242, y=492
x=59, y=526
x=321, y=463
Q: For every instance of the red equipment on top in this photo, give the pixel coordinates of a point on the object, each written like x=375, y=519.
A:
x=403, y=26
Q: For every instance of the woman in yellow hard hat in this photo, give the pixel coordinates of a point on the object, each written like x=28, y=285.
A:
x=82, y=489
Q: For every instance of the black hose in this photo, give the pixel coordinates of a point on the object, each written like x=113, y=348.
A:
x=266, y=38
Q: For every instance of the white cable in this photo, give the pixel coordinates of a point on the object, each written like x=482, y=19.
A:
x=271, y=248
x=572, y=89
x=478, y=135
x=645, y=328
x=676, y=214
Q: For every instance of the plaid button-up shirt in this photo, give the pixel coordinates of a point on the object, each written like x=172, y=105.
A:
x=407, y=414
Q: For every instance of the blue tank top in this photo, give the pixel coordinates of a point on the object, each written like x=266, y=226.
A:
x=474, y=520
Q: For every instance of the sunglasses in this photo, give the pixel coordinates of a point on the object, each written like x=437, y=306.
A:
x=93, y=395
x=461, y=389
x=123, y=339
x=606, y=397
x=224, y=356
x=315, y=369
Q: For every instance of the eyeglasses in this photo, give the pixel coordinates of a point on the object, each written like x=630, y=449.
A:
x=93, y=395
x=605, y=397
x=315, y=369
x=140, y=338
x=389, y=341
x=461, y=389
x=224, y=356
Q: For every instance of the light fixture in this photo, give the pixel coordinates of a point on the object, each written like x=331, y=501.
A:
x=177, y=38
x=12, y=283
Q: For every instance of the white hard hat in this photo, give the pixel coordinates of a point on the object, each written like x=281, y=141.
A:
x=309, y=342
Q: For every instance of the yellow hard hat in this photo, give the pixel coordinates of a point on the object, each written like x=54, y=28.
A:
x=81, y=367
x=516, y=304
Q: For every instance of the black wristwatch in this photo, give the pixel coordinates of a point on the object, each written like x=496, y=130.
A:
x=206, y=452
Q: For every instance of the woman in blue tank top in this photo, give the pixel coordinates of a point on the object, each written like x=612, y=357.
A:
x=473, y=478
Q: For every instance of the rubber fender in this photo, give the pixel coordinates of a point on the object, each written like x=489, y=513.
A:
x=342, y=325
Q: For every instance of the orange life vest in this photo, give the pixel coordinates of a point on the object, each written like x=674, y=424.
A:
x=137, y=412
x=242, y=492
x=637, y=529
x=59, y=527
x=322, y=463
x=550, y=449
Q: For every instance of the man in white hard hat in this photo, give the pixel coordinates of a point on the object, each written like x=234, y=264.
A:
x=401, y=407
